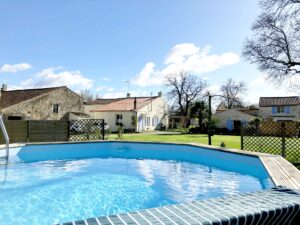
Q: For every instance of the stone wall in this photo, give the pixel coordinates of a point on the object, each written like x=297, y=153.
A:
x=41, y=107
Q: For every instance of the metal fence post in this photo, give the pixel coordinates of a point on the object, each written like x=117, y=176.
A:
x=28, y=131
x=283, y=139
x=242, y=137
x=209, y=119
x=69, y=128
x=103, y=130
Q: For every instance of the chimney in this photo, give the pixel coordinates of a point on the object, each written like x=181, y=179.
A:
x=159, y=94
x=134, y=104
x=128, y=95
x=4, y=87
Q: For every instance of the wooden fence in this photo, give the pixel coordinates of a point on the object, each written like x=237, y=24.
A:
x=47, y=131
x=17, y=131
x=36, y=131
x=20, y=131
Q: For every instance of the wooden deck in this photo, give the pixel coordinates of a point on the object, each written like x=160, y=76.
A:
x=282, y=172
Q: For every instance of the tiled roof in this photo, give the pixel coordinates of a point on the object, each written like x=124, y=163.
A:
x=9, y=98
x=102, y=101
x=279, y=101
x=126, y=104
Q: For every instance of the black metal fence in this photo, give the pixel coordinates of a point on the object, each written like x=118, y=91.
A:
x=280, y=138
x=86, y=129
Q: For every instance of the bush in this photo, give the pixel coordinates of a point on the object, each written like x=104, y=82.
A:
x=223, y=145
x=120, y=132
x=107, y=132
x=197, y=130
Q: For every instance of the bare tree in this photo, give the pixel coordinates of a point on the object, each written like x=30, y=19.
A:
x=184, y=89
x=87, y=95
x=231, y=91
x=199, y=110
x=275, y=44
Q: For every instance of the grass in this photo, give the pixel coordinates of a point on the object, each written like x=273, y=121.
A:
x=230, y=141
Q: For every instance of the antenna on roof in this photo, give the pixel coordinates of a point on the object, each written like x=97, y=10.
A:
x=127, y=81
x=151, y=101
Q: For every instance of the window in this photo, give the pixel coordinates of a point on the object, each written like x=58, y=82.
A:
x=119, y=118
x=154, y=121
x=148, y=121
x=280, y=109
x=55, y=108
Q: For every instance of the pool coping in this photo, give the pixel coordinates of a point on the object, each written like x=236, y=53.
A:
x=282, y=172
x=271, y=206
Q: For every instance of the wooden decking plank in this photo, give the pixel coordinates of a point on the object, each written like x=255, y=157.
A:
x=281, y=171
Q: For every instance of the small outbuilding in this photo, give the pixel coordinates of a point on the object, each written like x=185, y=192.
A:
x=232, y=119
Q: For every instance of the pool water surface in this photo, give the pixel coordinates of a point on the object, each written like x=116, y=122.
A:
x=47, y=184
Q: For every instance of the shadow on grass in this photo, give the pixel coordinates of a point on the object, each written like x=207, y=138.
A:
x=187, y=135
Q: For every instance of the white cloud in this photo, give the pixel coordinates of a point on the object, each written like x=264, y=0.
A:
x=148, y=76
x=56, y=76
x=187, y=57
x=213, y=89
x=13, y=68
x=105, y=88
x=179, y=53
x=261, y=87
x=259, y=80
x=114, y=95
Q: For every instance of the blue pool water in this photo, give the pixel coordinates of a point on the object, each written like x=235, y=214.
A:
x=47, y=184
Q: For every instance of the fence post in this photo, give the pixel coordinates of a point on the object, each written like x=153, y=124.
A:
x=68, y=126
x=28, y=131
x=242, y=136
x=103, y=130
x=283, y=139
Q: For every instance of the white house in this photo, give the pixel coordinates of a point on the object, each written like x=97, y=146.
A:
x=232, y=119
x=138, y=113
x=280, y=108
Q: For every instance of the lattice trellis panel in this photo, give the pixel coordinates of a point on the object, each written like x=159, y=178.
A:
x=86, y=129
x=280, y=138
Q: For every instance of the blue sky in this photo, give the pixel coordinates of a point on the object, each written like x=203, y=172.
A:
x=93, y=44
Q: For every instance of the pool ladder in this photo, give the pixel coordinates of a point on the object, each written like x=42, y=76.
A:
x=4, y=131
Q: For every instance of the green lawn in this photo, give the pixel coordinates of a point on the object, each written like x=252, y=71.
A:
x=230, y=141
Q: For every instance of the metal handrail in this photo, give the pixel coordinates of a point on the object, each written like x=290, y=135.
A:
x=5, y=136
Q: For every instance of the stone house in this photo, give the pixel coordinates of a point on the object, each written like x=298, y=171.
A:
x=53, y=103
x=280, y=108
x=134, y=113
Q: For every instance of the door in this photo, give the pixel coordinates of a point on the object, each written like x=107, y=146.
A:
x=237, y=125
x=141, y=123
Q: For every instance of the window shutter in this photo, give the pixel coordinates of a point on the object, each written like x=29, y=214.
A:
x=274, y=110
x=287, y=109
x=229, y=125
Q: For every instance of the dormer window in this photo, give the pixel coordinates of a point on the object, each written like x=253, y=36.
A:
x=55, y=108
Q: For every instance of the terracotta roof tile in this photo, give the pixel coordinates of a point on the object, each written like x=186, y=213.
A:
x=102, y=101
x=279, y=101
x=126, y=104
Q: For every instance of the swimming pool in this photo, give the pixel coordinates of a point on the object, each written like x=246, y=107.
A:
x=55, y=183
